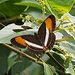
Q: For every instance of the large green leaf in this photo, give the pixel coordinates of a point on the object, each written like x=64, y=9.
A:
x=20, y=66
x=9, y=9
x=31, y=3
x=12, y=60
x=35, y=69
x=60, y=7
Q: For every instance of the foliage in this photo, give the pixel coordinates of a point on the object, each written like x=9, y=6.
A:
x=33, y=13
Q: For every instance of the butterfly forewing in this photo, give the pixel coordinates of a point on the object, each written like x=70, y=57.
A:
x=50, y=23
x=32, y=39
x=46, y=37
x=42, y=33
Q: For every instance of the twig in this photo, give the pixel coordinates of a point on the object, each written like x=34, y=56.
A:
x=1, y=25
x=64, y=39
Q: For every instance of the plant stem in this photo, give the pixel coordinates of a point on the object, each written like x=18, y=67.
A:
x=55, y=60
x=10, y=19
x=21, y=53
x=47, y=5
x=64, y=39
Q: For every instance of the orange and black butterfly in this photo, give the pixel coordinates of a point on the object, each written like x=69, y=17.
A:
x=41, y=41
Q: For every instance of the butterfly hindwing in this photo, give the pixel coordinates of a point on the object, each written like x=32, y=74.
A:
x=19, y=41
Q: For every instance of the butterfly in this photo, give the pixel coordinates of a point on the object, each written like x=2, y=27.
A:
x=42, y=40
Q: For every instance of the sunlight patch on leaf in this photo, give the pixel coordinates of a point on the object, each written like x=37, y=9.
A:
x=7, y=33
x=1, y=1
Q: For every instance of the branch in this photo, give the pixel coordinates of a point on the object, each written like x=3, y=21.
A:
x=21, y=53
x=9, y=19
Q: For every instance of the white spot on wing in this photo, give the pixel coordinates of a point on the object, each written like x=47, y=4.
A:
x=34, y=45
x=46, y=37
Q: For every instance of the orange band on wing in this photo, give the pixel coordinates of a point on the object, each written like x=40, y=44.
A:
x=21, y=41
x=48, y=22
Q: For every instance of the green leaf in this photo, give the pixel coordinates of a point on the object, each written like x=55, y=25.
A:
x=9, y=9
x=17, y=63
x=71, y=69
x=59, y=55
x=67, y=61
x=60, y=7
x=68, y=47
x=20, y=66
x=68, y=17
x=34, y=69
x=31, y=3
x=71, y=33
x=49, y=70
x=12, y=60
x=4, y=53
x=64, y=33
x=72, y=11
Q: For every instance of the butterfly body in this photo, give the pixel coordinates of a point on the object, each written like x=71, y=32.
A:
x=41, y=41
